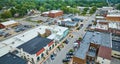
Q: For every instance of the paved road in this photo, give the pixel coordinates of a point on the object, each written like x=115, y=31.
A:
x=62, y=54
x=76, y=34
x=115, y=61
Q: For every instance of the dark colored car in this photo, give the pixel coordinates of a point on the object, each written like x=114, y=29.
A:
x=65, y=60
x=90, y=25
x=70, y=53
x=6, y=34
x=81, y=25
x=52, y=57
x=1, y=33
x=66, y=41
x=68, y=56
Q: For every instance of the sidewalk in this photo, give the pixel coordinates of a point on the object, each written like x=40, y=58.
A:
x=53, y=50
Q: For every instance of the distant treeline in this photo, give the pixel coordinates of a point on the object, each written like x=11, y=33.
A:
x=23, y=6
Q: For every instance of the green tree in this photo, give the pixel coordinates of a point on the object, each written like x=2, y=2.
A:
x=80, y=39
x=83, y=13
x=118, y=6
x=94, y=23
x=23, y=11
x=86, y=9
x=0, y=7
x=13, y=11
x=93, y=10
x=6, y=14
x=42, y=9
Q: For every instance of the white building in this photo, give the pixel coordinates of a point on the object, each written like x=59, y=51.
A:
x=24, y=43
x=10, y=23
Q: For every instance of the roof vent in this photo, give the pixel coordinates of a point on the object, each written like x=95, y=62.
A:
x=8, y=55
x=14, y=57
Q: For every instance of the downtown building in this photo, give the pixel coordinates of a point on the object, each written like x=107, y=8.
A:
x=35, y=45
x=106, y=26
x=8, y=24
x=113, y=15
x=110, y=27
x=53, y=13
x=90, y=49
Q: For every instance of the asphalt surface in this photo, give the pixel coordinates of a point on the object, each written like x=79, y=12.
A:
x=76, y=34
x=115, y=61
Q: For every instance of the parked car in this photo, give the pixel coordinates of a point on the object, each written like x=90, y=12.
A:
x=5, y=34
x=1, y=33
x=52, y=57
x=69, y=56
x=66, y=60
x=81, y=25
x=70, y=53
x=66, y=41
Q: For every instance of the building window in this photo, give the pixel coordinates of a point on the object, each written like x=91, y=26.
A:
x=50, y=48
x=38, y=58
x=53, y=46
x=42, y=55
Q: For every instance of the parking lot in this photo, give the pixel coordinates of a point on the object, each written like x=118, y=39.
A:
x=7, y=32
x=115, y=61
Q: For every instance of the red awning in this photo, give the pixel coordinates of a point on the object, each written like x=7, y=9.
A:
x=39, y=52
x=50, y=43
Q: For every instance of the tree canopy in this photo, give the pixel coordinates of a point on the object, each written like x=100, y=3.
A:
x=118, y=6
x=23, y=6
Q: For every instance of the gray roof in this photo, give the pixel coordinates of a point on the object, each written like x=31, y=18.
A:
x=69, y=23
x=10, y=58
x=35, y=44
x=92, y=52
x=116, y=45
x=103, y=39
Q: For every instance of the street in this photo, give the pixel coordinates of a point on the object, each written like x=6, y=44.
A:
x=76, y=34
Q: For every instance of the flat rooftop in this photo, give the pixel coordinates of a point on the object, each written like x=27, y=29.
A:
x=10, y=58
x=24, y=37
x=55, y=11
x=105, y=52
x=114, y=25
x=99, y=38
x=92, y=52
x=9, y=22
x=116, y=46
x=35, y=44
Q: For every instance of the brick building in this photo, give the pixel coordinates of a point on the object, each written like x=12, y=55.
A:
x=53, y=13
x=7, y=24
x=113, y=15
x=104, y=55
x=89, y=47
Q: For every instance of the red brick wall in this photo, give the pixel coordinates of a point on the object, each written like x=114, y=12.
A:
x=78, y=60
x=53, y=15
x=113, y=18
x=2, y=26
